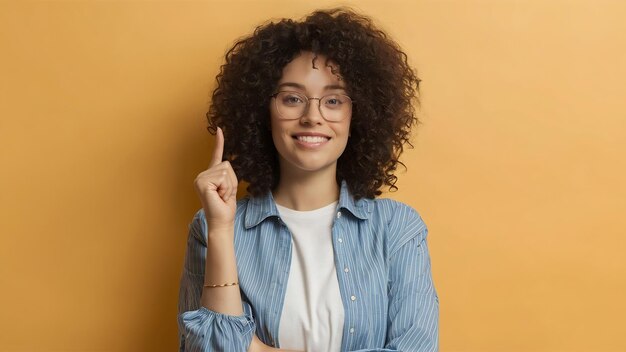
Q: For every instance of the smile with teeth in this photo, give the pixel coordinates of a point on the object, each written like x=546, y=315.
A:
x=312, y=139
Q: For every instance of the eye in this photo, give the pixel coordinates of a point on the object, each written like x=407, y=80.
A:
x=291, y=99
x=334, y=101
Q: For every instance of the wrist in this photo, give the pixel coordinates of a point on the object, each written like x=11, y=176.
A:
x=220, y=231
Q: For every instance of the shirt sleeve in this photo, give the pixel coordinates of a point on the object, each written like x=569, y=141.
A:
x=413, y=315
x=201, y=329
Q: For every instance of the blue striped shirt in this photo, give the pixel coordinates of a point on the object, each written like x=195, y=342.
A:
x=389, y=300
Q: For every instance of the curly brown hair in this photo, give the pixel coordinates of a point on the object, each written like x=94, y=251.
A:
x=378, y=78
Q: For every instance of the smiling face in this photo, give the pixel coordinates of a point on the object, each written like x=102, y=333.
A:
x=310, y=143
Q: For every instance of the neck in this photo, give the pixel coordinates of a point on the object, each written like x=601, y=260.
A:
x=301, y=190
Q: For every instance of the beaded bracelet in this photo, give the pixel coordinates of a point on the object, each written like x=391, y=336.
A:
x=222, y=285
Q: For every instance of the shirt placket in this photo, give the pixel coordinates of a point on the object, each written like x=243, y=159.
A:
x=283, y=264
x=346, y=280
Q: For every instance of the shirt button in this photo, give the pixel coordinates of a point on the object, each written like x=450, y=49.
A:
x=338, y=214
x=346, y=269
x=353, y=298
x=339, y=240
x=352, y=330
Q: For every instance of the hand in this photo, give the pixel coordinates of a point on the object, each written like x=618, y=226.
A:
x=258, y=346
x=217, y=188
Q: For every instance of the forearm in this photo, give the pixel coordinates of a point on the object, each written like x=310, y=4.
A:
x=221, y=268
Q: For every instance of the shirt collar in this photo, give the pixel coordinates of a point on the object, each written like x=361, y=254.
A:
x=261, y=208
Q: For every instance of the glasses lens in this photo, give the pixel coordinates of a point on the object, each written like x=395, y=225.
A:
x=335, y=107
x=290, y=105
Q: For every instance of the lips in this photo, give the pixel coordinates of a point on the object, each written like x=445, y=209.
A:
x=311, y=139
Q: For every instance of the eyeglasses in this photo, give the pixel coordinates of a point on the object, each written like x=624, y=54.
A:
x=293, y=105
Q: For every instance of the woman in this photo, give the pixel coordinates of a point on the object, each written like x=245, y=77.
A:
x=313, y=115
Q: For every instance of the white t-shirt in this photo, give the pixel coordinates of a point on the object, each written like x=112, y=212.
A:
x=312, y=317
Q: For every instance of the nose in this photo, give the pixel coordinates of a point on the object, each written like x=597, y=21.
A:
x=313, y=113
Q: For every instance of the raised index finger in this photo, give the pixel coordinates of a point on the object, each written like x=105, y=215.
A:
x=218, y=151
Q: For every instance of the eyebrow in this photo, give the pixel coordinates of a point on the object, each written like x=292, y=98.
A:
x=300, y=86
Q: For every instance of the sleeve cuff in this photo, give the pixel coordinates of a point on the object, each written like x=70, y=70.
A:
x=242, y=323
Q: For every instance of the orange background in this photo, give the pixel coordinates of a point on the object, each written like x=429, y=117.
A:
x=518, y=168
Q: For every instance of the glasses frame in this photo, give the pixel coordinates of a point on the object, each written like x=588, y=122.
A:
x=308, y=103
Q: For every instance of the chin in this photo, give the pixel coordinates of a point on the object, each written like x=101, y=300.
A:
x=308, y=165
x=311, y=167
